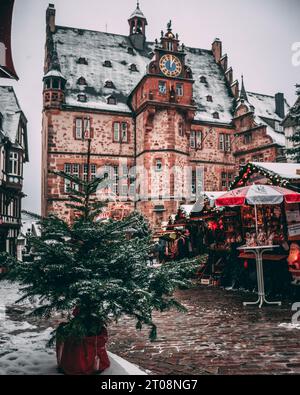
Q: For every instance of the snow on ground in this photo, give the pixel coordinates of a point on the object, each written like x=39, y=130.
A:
x=23, y=345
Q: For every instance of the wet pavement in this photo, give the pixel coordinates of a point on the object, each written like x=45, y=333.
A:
x=216, y=336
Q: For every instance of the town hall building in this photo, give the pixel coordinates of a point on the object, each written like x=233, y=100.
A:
x=151, y=114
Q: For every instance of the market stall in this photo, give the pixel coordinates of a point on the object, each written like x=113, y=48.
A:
x=262, y=233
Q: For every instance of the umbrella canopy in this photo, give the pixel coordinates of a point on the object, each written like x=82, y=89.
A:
x=258, y=194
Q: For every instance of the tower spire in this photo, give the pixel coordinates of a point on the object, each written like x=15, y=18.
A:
x=137, y=23
x=243, y=93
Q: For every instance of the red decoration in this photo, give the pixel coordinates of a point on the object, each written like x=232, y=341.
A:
x=85, y=357
x=246, y=265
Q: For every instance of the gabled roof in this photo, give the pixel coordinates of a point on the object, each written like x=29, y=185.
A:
x=10, y=111
x=265, y=105
x=293, y=116
x=265, y=111
x=96, y=47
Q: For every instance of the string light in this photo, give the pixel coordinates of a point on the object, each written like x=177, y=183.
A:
x=247, y=171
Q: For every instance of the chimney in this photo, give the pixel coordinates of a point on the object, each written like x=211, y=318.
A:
x=50, y=18
x=279, y=105
x=217, y=49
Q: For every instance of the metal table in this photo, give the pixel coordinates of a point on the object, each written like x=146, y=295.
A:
x=258, y=252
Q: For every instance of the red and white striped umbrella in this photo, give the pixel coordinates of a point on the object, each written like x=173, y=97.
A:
x=258, y=194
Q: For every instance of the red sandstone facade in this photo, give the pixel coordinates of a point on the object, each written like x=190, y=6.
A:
x=183, y=110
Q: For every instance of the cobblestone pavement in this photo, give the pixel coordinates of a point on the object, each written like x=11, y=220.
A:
x=217, y=336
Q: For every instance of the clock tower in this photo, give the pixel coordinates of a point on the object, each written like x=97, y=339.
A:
x=164, y=109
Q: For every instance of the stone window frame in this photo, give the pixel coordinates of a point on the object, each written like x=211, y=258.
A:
x=162, y=83
x=258, y=158
x=181, y=131
x=209, y=98
x=118, y=129
x=196, y=139
x=248, y=138
x=224, y=142
x=86, y=123
x=13, y=163
x=179, y=89
x=93, y=171
x=226, y=178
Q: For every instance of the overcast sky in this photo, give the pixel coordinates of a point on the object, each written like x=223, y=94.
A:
x=257, y=35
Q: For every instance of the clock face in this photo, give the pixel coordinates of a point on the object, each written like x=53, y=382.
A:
x=170, y=65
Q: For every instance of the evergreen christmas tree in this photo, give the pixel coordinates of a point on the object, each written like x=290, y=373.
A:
x=293, y=120
x=294, y=153
x=94, y=268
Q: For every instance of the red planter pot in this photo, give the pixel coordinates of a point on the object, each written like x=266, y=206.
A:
x=85, y=357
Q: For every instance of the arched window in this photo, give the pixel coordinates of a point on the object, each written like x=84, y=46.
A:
x=109, y=84
x=107, y=63
x=216, y=115
x=111, y=100
x=82, y=61
x=81, y=81
x=133, y=67
x=82, y=97
x=203, y=79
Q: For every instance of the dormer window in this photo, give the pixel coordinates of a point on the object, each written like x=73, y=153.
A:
x=216, y=115
x=82, y=97
x=81, y=81
x=111, y=100
x=82, y=61
x=107, y=63
x=203, y=79
x=209, y=98
x=133, y=67
x=130, y=51
x=109, y=84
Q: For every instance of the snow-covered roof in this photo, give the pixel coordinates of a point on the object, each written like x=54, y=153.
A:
x=284, y=170
x=72, y=44
x=54, y=73
x=265, y=105
x=202, y=64
x=265, y=114
x=137, y=13
x=277, y=137
x=293, y=116
x=10, y=111
x=98, y=47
